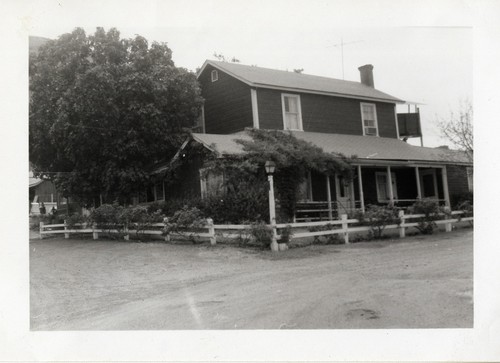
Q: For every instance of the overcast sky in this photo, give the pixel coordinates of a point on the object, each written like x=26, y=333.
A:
x=428, y=64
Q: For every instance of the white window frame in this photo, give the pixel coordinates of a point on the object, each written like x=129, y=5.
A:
x=394, y=187
x=363, y=119
x=214, y=75
x=299, y=109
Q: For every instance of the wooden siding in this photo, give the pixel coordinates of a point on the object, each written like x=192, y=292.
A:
x=324, y=113
x=228, y=104
x=457, y=179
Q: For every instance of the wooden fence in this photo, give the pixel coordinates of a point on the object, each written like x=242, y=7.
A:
x=342, y=227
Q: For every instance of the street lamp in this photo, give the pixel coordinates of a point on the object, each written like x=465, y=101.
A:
x=270, y=168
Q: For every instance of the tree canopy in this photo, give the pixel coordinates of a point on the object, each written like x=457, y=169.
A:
x=104, y=109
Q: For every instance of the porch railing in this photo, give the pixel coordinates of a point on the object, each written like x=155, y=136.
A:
x=319, y=211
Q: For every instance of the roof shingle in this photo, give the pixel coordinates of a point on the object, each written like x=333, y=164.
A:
x=265, y=77
x=362, y=147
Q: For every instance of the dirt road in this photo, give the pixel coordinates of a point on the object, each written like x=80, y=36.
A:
x=418, y=282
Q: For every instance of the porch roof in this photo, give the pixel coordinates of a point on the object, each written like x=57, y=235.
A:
x=363, y=148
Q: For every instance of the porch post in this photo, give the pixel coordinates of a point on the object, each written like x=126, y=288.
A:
x=419, y=189
x=444, y=177
x=389, y=181
x=361, y=194
x=329, y=197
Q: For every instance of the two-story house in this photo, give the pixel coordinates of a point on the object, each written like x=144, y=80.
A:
x=350, y=118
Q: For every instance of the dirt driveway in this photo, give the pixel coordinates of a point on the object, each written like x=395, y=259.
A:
x=418, y=282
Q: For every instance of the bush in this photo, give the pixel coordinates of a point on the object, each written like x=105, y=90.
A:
x=378, y=217
x=139, y=219
x=431, y=210
x=262, y=233
x=75, y=219
x=237, y=206
x=286, y=235
x=107, y=217
x=456, y=200
x=185, y=222
x=327, y=238
x=46, y=219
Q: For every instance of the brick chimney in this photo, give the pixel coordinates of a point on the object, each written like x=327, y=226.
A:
x=366, y=73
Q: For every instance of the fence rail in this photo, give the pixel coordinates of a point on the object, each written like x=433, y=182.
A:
x=342, y=226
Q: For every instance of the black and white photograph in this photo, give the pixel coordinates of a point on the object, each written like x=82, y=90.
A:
x=300, y=175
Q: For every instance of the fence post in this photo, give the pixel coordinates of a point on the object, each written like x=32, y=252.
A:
x=126, y=237
x=211, y=231
x=41, y=230
x=402, y=229
x=95, y=235
x=447, y=226
x=66, y=234
x=167, y=235
x=345, y=228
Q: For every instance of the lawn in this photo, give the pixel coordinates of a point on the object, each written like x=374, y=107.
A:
x=416, y=282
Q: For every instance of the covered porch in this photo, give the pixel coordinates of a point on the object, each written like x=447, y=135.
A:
x=326, y=197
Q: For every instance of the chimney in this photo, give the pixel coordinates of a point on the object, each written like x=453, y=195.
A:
x=366, y=73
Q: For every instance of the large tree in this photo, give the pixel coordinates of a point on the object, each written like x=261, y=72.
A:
x=457, y=128
x=104, y=109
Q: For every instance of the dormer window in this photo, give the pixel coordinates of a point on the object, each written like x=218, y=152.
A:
x=292, y=117
x=215, y=75
x=369, y=119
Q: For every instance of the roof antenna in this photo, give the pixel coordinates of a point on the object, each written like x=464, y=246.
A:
x=341, y=45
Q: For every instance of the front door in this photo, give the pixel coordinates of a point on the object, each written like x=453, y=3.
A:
x=344, y=192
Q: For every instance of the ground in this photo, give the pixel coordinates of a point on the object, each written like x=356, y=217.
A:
x=416, y=282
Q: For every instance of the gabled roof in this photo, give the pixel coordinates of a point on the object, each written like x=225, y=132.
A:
x=295, y=82
x=364, y=148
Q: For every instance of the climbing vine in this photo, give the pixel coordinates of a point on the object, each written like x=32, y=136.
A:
x=293, y=158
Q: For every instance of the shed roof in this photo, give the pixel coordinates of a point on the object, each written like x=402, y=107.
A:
x=299, y=82
x=363, y=148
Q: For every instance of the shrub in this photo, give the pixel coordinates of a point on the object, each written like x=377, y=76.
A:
x=75, y=219
x=185, y=222
x=52, y=218
x=328, y=238
x=378, y=217
x=107, y=217
x=456, y=200
x=286, y=234
x=237, y=205
x=262, y=233
x=139, y=219
x=430, y=208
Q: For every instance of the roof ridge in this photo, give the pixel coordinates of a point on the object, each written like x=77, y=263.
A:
x=284, y=71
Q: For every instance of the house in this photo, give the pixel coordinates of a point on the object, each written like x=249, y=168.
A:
x=43, y=191
x=351, y=118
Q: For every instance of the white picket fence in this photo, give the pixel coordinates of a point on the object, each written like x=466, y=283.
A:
x=343, y=227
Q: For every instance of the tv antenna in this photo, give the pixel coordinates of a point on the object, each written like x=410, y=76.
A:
x=341, y=45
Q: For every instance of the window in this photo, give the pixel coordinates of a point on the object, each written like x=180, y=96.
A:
x=383, y=186
x=215, y=75
x=159, y=195
x=428, y=182
x=369, y=118
x=211, y=183
x=292, y=118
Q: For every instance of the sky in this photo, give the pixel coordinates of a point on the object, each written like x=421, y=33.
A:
x=427, y=64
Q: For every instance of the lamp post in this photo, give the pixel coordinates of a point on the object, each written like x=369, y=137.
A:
x=270, y=168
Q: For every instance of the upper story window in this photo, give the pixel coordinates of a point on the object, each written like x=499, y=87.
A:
x=215, y=75
x=369, y=119
x=292, y=117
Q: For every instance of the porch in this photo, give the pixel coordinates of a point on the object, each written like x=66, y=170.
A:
x=326, y=197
